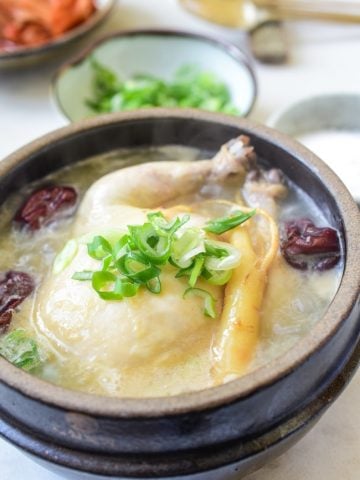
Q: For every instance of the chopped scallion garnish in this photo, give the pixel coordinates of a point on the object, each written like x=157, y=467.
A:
x=229, y=258
x=222, y=225
x=134, y=260
x=110, y=287
x=209, y=300
x=160, y=223
x=155, y=246
x=196, y=271
x=220, y=277
x=154, y=285
x=127, y=288
x=99, y=248
x=83, y=276
x=106, y=285
x=187, y=246
x=137, y=268
x=65, y=257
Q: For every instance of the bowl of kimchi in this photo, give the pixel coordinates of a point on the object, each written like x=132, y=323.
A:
x=30, y=30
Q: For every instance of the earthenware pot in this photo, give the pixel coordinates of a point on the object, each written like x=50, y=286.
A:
x=219, y=433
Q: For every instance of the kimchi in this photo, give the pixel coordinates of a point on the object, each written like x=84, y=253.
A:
x=27, y=23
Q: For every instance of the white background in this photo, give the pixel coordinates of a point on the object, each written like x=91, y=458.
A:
x=323, y=59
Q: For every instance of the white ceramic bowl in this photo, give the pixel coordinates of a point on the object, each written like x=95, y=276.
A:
x=31, y=55
x=329, y=125
x=159, y=53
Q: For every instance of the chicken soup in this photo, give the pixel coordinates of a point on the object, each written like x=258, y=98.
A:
x=153, y=272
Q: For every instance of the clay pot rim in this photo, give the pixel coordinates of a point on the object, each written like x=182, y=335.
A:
x=337, y=313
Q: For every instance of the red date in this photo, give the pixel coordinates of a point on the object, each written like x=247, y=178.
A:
x=305, y=246
x=42, y=205
x=14, y=288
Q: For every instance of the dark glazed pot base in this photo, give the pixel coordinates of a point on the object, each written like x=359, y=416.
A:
x=252, y=455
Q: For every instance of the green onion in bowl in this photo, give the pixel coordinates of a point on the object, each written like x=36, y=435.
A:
x=198, y=71
x=189, y=87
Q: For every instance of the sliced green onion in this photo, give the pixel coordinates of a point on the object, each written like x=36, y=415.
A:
x=105, y=80
x=184, y=272
x=133, y=260
x=65, y=257
x=215, y=249
x=160, y=223
x=106, y=263
x=196, y=271
x=187, y=246
x=83, y=276
x=126, y=288
x=20, y=349
x=230, y=261
x=209, y=300
x=223, y=224
x=121, y=287
x=121, y=247
x=220, y=277
x=99, y=248
x=154, y=285
x=190, y=87
x=154, y=246
x=137, y=268
x=206, y=274
x=106, y=286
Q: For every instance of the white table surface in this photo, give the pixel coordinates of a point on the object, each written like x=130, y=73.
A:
x=324, y=59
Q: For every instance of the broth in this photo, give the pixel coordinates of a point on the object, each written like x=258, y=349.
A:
x=287, y=314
